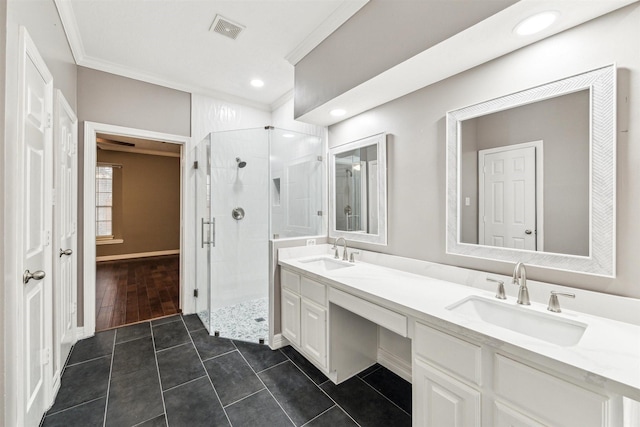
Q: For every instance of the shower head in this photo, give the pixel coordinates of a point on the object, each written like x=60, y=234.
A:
x=241, y=163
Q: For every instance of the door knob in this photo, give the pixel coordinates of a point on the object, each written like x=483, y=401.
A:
x=66, y=252
x=527, y=231
x=37, y=275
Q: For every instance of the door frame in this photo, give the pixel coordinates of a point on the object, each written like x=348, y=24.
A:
x=538, y=145
x=91, y=129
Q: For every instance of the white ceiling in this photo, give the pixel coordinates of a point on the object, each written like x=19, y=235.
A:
x=169, y=42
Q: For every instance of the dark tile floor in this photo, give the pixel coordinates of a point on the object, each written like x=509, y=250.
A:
x=171, y=372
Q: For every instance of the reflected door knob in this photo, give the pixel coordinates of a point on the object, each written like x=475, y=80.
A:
x=66, y=252
x=528, y=231
x=36, y=275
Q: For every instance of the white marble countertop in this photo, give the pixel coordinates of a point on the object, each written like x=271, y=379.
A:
x=609, y=349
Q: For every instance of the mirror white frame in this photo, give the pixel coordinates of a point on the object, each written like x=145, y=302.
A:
x=601, y=83
x=380, y=140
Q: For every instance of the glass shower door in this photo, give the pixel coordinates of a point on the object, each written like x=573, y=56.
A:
x=239, y=259
x=204, y=229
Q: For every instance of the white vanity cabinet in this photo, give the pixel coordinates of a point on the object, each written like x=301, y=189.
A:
x=446, y=375
x=460, y=383
x=304, y=315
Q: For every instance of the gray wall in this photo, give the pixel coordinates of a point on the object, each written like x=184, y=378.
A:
x=115, y=100
x=416, y=149
x=381, y=35
x=562, y=123
x=3, y=65
x=41, y=19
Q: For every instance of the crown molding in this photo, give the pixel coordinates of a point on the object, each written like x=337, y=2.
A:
x=70, y=27
x=286, y=97
x=345, y=11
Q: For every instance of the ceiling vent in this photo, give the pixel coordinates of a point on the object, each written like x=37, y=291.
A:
x=225, y=27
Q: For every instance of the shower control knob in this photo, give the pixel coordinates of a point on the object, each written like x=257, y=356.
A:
x=237, y=214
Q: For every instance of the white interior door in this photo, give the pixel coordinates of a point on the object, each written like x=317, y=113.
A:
x=65, y=219
x=507, y=197
x=35, y=140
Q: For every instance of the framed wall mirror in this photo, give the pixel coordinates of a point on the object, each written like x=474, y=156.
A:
x=358, y=190
x=531, y=176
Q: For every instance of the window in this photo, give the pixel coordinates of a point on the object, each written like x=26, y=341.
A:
x=104, y=201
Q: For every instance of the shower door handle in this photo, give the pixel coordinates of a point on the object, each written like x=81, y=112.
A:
x=212, y=232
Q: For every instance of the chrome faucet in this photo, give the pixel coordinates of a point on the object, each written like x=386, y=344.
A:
x=335, y=246
x=520, y=278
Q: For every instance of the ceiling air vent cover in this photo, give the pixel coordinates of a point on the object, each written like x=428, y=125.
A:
x=225, y=27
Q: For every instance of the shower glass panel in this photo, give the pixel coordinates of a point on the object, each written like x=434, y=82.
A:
x=245, y=180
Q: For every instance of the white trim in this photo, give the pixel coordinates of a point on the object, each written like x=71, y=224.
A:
x=278, y=341
x=100, y=242
x=398, y=366
x=110, y=147
x=339, y=16
x=137, y=255
x=91, y=129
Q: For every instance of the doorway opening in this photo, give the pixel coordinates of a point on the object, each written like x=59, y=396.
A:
x=133, y=235
x=137, y=230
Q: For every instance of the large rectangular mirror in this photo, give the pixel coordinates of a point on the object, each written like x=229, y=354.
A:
x=358, y=190
x=531, y=176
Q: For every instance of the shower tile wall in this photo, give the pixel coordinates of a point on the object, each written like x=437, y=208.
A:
x=239, y=263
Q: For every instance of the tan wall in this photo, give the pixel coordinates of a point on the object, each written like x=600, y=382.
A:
x=146, y=193
x=417, y=146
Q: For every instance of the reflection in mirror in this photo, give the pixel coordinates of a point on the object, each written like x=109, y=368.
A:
x=531, y=176
x=525, y=176
x=358, y=190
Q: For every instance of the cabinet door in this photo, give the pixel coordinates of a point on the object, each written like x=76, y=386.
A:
x=314, y=331
x=440, y=400
x=291, y=317
x=508, y=417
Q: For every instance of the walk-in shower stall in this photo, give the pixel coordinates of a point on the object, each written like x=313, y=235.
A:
x=252, y=185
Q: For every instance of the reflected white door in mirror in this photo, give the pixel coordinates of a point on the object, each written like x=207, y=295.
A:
x=358, y=187
x=531, y=176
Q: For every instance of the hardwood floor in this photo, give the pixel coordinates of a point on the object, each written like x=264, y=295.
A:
x=134, y=290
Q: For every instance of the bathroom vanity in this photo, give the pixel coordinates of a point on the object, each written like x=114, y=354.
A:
x=475, y=360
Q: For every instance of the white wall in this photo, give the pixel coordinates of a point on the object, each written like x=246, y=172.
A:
x=3, y=39
x=416, y=149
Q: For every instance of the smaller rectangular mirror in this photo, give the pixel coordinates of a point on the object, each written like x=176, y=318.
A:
x=358, y=190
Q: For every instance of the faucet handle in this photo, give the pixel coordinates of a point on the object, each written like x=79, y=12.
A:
x=351, y=256
x=554, y=304
x=500, y=291
x=335, y=254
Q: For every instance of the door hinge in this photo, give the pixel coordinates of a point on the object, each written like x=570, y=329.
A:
x=74, y=307
x=319, y=213
x=45, y=356
x=53, y=197
x=195, y=293
x=49, y=121
x=195, y=164
x=47, y=237
x=319, y=158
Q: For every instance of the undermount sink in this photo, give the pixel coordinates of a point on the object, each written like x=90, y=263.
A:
x=326, y=263
x=547, y=327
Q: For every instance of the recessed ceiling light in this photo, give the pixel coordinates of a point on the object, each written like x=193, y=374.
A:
x=536, y=23
x=257, y=83
x=288, y=135
x=338, y=112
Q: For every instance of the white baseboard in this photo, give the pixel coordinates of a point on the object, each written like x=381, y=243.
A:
x=138, y=255
x=278, y=341
x=395, y=364
x=81, y=334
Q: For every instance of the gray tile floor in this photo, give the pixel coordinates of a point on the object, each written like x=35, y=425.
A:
x=171, y=372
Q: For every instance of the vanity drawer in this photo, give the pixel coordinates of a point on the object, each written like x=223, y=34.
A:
x=290, y=280
x=384, y=317
x=316, y=292
x=550, y=399
x=457, y=356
